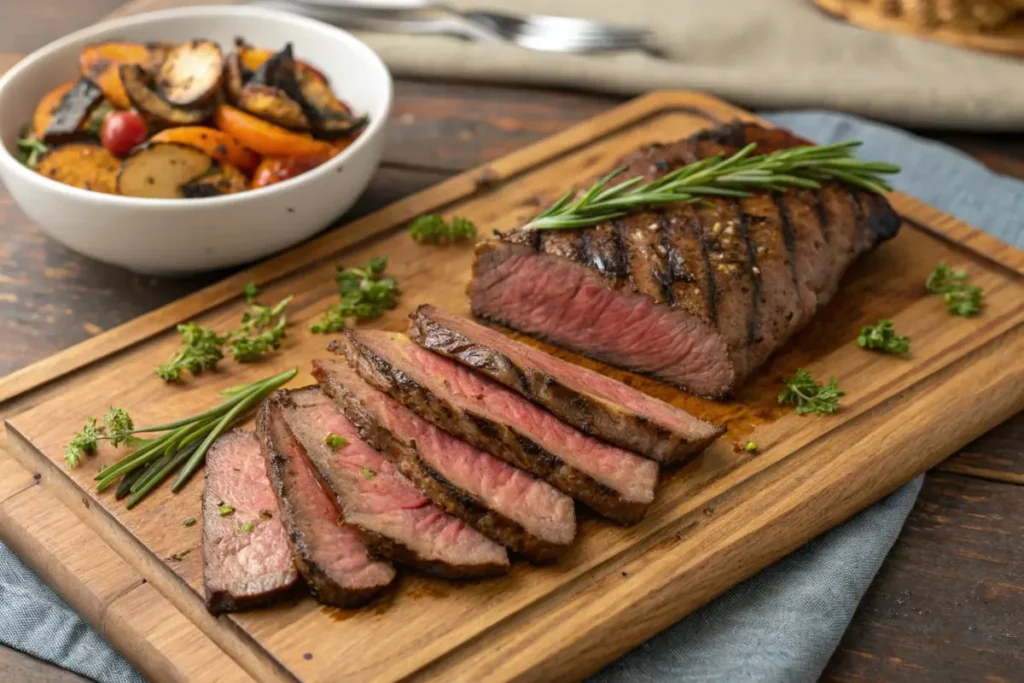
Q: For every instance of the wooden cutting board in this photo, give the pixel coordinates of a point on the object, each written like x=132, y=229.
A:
x=714, y=523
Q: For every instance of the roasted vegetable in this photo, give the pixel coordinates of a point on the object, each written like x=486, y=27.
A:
x=82, y=164
x=156, y=110
x=329, y=116
x=252, y=58
x=266, y=138
x=122, y=131
x=273, y=105
x=275, y=169
x=221, y=146
x=100, y=63
x=47, y=106
x=191, y=74
x=224, y=179
x=72, y=112
x=233, y=78
x=161, y=169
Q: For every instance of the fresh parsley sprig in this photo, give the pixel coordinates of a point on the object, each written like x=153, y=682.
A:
x=433, y=229
x=961, y=298
x=882, y=337
x=736, y=176
x=30, y=149
x=365, y=293
x=810, y=396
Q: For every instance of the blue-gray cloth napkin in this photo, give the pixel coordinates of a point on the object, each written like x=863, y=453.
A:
x=781, y=625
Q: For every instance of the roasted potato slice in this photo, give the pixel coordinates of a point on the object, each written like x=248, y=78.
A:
x=100, y=63
x=156, y=110
x=72, y=112
x=224, y=179
x=82, y=164
x=191, y=74
x=161, y=169
x=222, y=146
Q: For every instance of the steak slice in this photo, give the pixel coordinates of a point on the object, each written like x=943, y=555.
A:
x=528, y=515
x=394, y=520
x=594, y=404
x=614, y=482
x=330, y=555
x=242, y=568
x=698, y=295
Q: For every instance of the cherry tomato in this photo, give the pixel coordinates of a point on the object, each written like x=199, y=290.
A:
x=275, y=169
x=122, y=131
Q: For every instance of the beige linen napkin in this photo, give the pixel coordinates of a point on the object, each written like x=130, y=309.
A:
x=757, y=53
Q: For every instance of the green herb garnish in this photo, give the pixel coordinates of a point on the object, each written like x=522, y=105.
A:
x=30, y=149
x=736, y=176
x=809, y=396
x=882, y=337
x=251, y=291
x=191, y=521
x=364, y=293
x=432, y=229
x=118, y=425
x=335, y=441
x=751, y=447
x=82, y=442
x=180, y=447
x=224, y=509
x=245, y=528
x=200, y=350
x=367, y=473
x=961, y=298
x=94, y=124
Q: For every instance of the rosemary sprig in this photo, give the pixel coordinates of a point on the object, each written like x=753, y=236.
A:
x=736, y=176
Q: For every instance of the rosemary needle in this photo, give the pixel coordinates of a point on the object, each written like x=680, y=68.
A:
x=736, y=176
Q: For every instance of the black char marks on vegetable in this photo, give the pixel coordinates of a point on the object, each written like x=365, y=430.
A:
x=73, y=110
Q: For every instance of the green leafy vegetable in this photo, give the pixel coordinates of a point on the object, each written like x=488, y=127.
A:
x=335, y=441
x=83, y=442
x=367, y=473
x=200, y=351
x=251, y=291
x=255, y=338
x=809, y=396
x=432, y=229
x=961, y=298
x=737, y=176
x=224, y=509
x=30, y=150
x=365, y=293
x=882, y=337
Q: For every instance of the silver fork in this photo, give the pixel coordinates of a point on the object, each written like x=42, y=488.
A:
x=535, y=32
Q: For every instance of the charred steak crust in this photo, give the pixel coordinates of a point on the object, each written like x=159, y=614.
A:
x=381, y=545
x=324, y=585
x=498, y=439
x=226, y=594
x=578, y=405
x=695, y=295
x=432, y=484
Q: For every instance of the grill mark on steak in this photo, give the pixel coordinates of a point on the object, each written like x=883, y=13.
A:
x=710, y=288
x=787, y=238
x=822, y=211
x=591, y=402
x=754, y=315
x=666, y=275
x=456, y=400
x=503, y=503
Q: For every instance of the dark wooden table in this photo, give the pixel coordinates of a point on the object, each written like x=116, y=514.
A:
x=947, y=605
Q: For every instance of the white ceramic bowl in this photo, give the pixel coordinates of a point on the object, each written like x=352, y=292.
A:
x=177, y=236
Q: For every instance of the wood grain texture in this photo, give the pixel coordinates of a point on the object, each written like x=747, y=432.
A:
x=20, y=667
x=1007, y=40
x=948, y=605
x=454, y=631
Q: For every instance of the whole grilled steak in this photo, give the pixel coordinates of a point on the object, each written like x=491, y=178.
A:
x=589, y=401
x=242, y=568
x=528, y=515
x=698, y=295
x=330, y=555
x=394, y=520
x=614, y=482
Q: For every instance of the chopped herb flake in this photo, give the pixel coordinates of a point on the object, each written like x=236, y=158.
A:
x=367, y=473
x=225, y=510
x=335, y=441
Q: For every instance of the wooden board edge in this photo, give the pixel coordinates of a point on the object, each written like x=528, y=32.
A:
x=1008, y=41
x=636, y=599
x=252, y=657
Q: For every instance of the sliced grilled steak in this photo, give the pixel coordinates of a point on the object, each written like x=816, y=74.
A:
x=587, y=400
x=242, y=568
x=394, y=520
x=528, y=515
x=614, y=482
x=330, y=555
x=696, y=295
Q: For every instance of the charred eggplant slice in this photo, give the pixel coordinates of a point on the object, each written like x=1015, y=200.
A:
x=234, y=77
x=74, y=108
x=157, y=111
x=273, y=105
x=162, y=169
x=222, y=179
x=191, y=74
